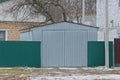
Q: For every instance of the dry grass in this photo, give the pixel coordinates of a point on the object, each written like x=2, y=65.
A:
x=44, y=71
x=15, y=73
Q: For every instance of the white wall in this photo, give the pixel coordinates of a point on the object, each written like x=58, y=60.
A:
x=113, y=14
x=112, y=34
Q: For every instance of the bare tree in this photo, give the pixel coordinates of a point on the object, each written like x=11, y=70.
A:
x=54, y=10
x=90, y=7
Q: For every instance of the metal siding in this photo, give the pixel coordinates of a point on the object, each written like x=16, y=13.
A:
x=97, y=49
x=3, y=0
x=92, y=35
x=60, y=42
x=20, y=53
x=37, y=35
x=53, y=49
x=26, y=36
x=75, y=48
x=64, y=26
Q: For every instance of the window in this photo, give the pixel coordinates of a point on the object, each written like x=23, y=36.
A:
x=2, y=35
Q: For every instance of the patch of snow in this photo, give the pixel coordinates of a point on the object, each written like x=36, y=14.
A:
x=5, y=68
x=68, y=68
x=47, y=68
x=116, y=68
x=4, y=74
x=103, y=68
x=79, y=77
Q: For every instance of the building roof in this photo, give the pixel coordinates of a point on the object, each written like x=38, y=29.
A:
x=43, y=25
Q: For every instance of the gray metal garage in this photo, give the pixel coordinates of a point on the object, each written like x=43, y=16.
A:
x=63, y=44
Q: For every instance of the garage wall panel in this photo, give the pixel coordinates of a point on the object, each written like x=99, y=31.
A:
x=64, y=43
x=53, y=48
x=75, y=48
x=26, y=36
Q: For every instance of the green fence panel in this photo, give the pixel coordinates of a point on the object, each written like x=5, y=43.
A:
x=20, y=53
x=96, y=53
x=3, y=0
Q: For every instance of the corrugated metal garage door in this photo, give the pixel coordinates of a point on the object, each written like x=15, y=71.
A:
x=53, y=48
x=64, y=48
x=75, y=48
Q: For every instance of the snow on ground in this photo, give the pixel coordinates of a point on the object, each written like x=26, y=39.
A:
x=78, y=77
x=83, y=73
x=102, y=68
x=68, y=68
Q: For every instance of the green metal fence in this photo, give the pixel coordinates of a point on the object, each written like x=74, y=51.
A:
x=19, y=53
x=96, y=53
x=3, y=0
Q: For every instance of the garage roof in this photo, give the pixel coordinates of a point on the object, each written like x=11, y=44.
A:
x=47, y=25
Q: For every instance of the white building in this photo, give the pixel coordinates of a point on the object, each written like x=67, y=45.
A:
x=114, y=18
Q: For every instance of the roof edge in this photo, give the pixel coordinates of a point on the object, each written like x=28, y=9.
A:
x=42, y=24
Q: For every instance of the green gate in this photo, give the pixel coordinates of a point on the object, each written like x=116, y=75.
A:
x=3, y=0
x=19, y=53
x=96, y=53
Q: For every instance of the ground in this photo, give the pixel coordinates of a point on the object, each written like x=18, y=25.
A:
x=83, y=73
